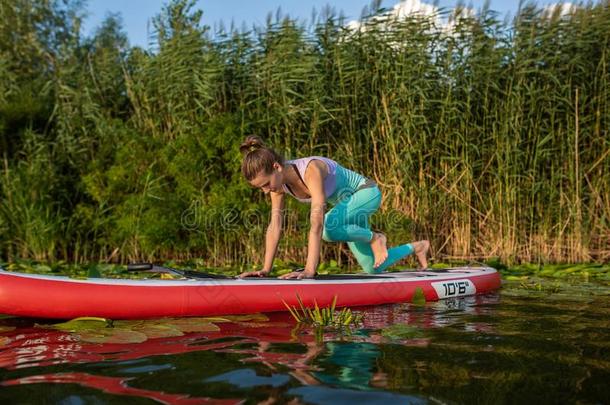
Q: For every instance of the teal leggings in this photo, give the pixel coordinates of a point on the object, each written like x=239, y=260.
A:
x=348, y=221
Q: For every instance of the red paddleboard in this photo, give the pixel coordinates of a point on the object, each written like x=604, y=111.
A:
x=42, y=296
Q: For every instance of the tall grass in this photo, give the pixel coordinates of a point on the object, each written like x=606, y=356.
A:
x=490, y=139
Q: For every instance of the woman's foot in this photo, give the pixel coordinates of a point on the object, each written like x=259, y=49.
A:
x=379, y=247
x=421, y=252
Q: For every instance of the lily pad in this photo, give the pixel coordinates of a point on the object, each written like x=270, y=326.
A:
x=235, y=318
x=98, y=330
x=94, y=273
x=42, y=268
x=154, y=331
x=402, y=331
x=112, y=335
x=168, y=327
x=187, y=325
x=515, y=278
x=80, y=324
x=264, y=324
x=216, y=319
x=245, y=318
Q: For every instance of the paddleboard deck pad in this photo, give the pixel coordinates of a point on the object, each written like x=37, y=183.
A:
x=55, y=297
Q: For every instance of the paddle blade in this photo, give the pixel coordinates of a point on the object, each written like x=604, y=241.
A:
x=139, y=266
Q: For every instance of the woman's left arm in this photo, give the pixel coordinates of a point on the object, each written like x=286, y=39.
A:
x=314, y=180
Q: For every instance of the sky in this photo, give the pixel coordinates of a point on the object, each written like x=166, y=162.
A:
x=136, y=14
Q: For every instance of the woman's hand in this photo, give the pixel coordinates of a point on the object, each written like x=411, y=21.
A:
x=299, y=274
x=259, y=273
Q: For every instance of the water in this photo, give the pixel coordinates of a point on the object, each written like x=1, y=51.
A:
x=513, y=346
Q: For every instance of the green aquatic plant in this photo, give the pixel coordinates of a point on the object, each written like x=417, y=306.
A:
x=586, y=271
x=98, y=330
x=84, y=322
x=538, y=286
x=330, y=267
x=402, y=331
x=324, y=317
x=418, y=298
x=103, y=330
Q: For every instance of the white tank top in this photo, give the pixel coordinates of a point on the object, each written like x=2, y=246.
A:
x=329, y=182
x=339, y=182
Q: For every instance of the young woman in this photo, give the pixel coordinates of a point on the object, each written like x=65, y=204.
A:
x=318, y=180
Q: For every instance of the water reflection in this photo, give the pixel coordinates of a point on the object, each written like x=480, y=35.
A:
x=504, y=347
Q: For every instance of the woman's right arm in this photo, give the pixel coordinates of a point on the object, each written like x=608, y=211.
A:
x=272, y=237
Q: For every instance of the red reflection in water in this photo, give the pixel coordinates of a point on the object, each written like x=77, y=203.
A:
x=115, y=385
x=39, y=348
x=36, y=347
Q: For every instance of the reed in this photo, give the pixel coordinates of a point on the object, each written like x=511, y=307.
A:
x=491, y=139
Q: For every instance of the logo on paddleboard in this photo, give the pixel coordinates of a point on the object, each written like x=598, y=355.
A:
x=454, y=288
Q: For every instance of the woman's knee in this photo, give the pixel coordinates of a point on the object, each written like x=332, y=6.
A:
x=330, y=234
x=332, y=226
x=326, y=235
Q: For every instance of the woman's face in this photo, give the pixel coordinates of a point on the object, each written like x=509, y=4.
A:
x=270, y=182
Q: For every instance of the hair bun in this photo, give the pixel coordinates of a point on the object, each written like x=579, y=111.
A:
x=262, y=160
x=251, y=143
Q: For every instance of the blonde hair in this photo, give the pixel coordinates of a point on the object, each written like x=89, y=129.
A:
x=257, y=157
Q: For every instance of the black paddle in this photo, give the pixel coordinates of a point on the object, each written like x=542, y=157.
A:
x=148, y=267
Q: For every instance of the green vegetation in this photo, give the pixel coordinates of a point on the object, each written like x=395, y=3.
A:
x=418, y=298
x=324, y=317
x=105, y=270
x=528, y=276
x=492, y=141
x=583, y=272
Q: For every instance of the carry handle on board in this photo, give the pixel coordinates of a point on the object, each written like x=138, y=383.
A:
x=149, y=267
